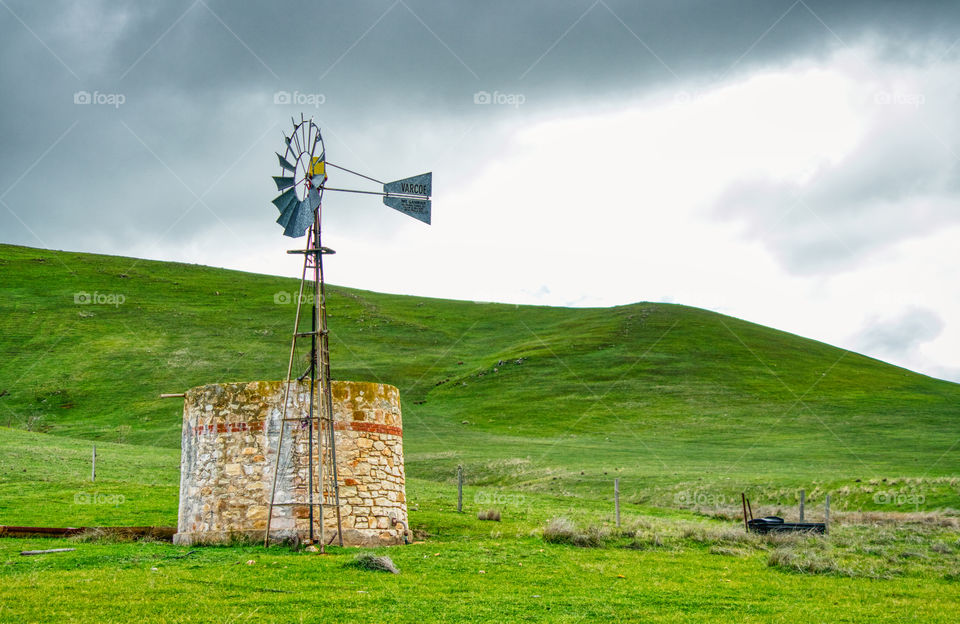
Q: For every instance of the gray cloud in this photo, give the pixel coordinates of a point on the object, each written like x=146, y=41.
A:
x=900, y=335
x=901, y=181
x=198, y=79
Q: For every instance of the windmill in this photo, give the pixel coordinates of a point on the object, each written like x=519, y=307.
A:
x=301, y=183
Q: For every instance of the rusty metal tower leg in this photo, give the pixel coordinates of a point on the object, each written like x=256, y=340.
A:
x=328, y=400
x=315, y=368
x=286, y=396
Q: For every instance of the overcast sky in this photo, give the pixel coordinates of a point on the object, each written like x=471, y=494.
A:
x=792, y=163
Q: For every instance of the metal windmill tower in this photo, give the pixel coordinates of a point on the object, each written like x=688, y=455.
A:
x=302, y=182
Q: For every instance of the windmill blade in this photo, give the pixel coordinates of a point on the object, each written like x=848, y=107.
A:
x=293, y=229
x=314, y=197
x=281, y=201
x=288, y=213
x=301, y=220
x=298, y=226
x=313, y=135
x=301, y=215
x=286, y=165
x=283, y=182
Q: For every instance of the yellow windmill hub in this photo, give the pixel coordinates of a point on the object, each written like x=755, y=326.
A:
x=318, y=167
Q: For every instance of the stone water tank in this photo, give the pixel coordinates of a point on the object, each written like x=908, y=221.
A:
x=229, y=446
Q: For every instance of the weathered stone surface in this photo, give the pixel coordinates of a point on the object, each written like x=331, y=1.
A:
x=229, y=440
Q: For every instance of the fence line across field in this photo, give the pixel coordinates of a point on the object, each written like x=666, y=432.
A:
x=747, y=509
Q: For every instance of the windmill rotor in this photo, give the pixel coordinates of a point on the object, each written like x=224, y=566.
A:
x=303, y=174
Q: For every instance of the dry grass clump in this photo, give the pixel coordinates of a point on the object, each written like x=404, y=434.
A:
x=872, y=549
x=112, y=535
x=489, y=514
x=735, y=513
x=636, y=524
x=805, y=562
x=92, y=534
x=736, y=539
x=787, y=538
x=370, y=561
x=564, y=531
x=647, y=533
x=926, y=518
x=708, y=534
x=646, y=540
x=559, y=530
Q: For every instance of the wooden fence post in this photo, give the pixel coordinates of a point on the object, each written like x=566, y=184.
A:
x=743, y=501
x=616, y=499
x=803, y=500
x=93, y=465
x=826, y=516
x=460, y=488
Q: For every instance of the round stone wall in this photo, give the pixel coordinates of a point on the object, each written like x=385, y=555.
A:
x=228, y=453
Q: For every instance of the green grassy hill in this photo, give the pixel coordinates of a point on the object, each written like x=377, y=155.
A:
x=667, y=397
x=544, y=407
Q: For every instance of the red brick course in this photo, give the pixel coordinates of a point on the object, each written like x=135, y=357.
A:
x=356, y=425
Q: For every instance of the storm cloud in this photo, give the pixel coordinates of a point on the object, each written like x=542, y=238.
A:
x=199, y=80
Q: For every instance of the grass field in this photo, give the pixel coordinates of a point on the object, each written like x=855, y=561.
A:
x=666, y=565
x=543, y=406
